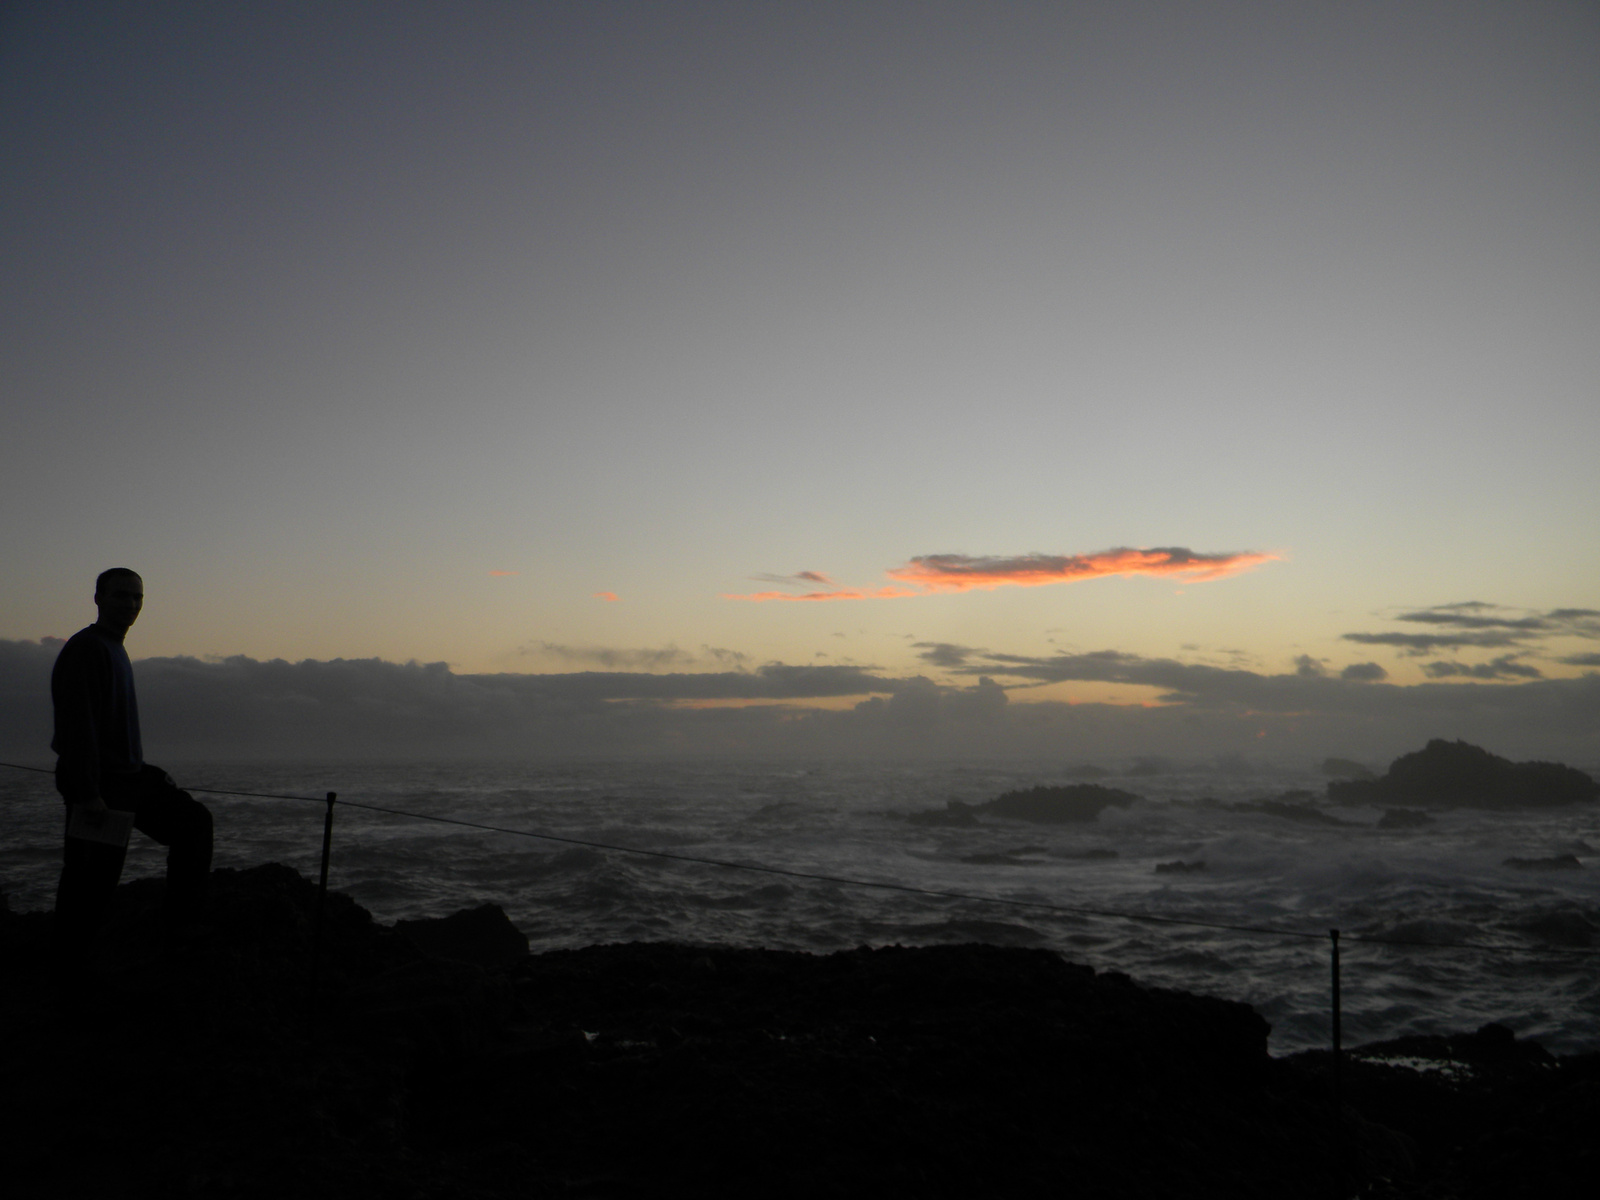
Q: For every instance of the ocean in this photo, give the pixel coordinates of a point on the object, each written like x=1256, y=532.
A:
x=1445, y=882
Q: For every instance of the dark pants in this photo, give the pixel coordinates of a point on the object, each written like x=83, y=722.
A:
x=90, y=870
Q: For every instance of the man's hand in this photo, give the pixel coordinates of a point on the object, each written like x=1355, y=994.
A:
x=94, y=809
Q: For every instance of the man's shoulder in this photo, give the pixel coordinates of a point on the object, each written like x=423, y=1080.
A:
x=87, y=642
x=89, y=634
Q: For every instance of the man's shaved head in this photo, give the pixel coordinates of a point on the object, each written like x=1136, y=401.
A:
x=105, y=577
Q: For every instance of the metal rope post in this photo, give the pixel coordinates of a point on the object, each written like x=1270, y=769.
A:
x=1338, y=1070
x=1338, y=1033
x=322, y=904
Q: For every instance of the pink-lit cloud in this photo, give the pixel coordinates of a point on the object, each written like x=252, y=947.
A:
x=961, y=573
x=933, y=573
x=501, y=573
x=608, y=597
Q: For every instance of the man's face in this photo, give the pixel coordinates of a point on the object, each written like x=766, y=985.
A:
x=119, y=601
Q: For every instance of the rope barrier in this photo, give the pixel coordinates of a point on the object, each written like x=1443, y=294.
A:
x=882, y=885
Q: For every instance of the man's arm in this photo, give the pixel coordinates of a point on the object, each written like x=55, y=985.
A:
x=76, y=683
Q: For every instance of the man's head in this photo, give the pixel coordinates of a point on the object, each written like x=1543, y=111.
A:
x=119, y=595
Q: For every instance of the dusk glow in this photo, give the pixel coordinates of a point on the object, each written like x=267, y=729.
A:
x=520, y=339
x=900, y=569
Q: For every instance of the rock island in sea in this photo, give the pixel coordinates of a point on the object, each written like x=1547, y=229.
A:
x=440, y=1059
x=1457, y=774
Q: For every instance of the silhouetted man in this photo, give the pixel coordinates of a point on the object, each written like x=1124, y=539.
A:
x=102, y=776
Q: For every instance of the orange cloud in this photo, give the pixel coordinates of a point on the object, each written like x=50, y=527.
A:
x=609, y=597
x=960, y=573
x=502, y=572
x=933, y=573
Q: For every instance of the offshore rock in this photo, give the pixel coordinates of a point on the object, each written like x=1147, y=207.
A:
x=1346, y=768
x=956, y=814
x=1290, y=806
x=1566, y=928
x=1455, y=774
x=1060, y=804
x=1556, y=862
x=1404, y=818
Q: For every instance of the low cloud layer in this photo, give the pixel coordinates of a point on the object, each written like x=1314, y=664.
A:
x=935, y=573
x=1475, y=626
x=1504, y=667
x=640, y=659
x=242, y=709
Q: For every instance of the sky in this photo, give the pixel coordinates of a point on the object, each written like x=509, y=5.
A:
x=1064, y=379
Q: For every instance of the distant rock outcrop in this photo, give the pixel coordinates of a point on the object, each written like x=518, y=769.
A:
x=956, y=814
x=1049, y=805
x=1558, y=862
x=1455, y=774
x=1058, y=805
x=1347, y=768
x=1291, y=806
x=1404, y=818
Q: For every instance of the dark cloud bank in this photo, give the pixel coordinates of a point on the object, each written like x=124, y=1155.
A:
x=239, y=708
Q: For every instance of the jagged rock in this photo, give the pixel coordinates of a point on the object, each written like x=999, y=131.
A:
x=1449, y=774
x=1345, y=768
x=1557, y=862
x=655, y=1068
x=482, y=935
x=955, y=814
x=1562, y=928
x=1058, y=805
x=1291, y=806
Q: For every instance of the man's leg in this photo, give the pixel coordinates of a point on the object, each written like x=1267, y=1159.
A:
x=89, y=875
x=182, y=824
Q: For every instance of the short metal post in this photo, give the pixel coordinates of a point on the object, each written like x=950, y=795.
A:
x=1338, y=1062
x=327, y=847
x=322, y=904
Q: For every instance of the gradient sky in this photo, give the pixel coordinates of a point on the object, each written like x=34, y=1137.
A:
x=537, y=337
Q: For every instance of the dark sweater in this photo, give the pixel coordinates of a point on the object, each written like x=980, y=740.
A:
x=97, y=716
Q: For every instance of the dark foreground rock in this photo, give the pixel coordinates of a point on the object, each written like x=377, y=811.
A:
x=1457, y=774
x=196, y=1067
